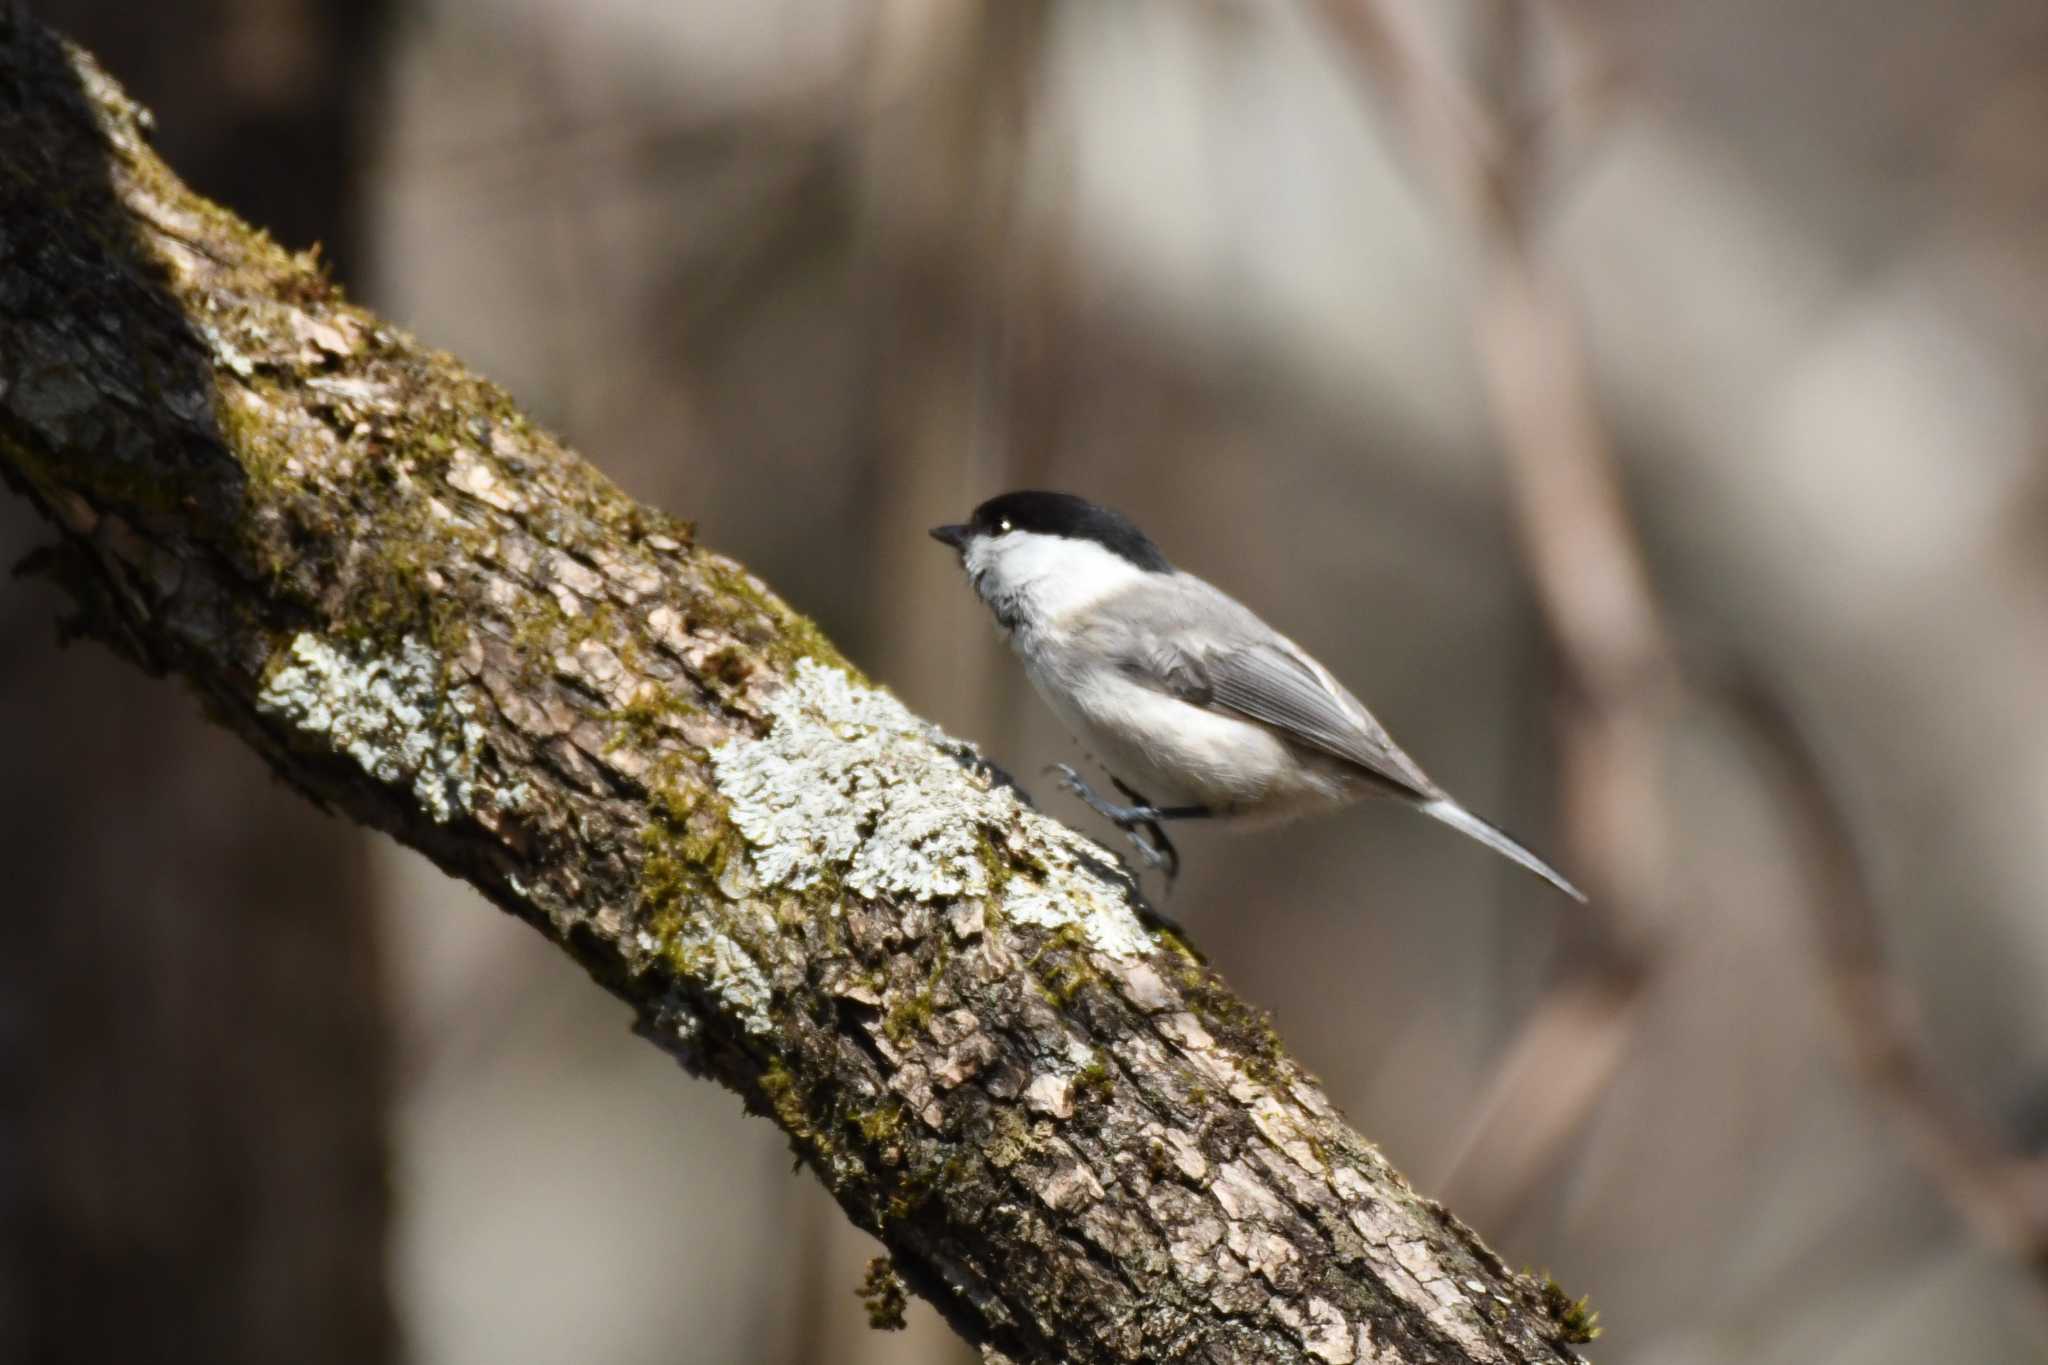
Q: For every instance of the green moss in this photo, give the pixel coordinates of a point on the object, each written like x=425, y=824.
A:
x=883, y=1292
x=816, y=1135
x=259, y=265
x=1577, y=1321
x=881, y=1124
x=1011, y=1141
x=645, y=721
x=686, y=850
x=1168, y=937
x=670, y=881
x=256, y=441
x=998, y=864
x=1094, y=1083
x=392, y=577
x=736, y=595
x=784, y=1099
x=545, y=630
x=909, y=1017
x=1317, y=1148
x=911, y=1194
x=1061, y=965
x=1244, y=1029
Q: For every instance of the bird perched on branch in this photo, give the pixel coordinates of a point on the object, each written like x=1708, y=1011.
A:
x=1196, y=707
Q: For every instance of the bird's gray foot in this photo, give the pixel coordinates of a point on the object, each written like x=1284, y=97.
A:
x=1140, y=820
x=1151, y=841
x=1124, y=817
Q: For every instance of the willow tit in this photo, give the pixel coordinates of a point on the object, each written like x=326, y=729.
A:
x=1196, y=707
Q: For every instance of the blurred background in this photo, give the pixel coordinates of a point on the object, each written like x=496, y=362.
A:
x=1514, y=355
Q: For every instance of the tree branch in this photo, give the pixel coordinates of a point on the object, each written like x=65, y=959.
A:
x=1999, y=1189
x=430, y=617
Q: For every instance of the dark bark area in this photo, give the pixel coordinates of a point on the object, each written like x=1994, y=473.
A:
x=427, y=615
x=193, y=1044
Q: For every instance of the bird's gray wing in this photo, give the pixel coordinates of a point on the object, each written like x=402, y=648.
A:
x=1271, y=683
x=1209, y=650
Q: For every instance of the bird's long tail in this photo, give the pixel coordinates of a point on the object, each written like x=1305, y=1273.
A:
x=1464, y=821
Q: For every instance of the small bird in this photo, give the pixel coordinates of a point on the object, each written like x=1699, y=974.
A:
x=1196, y=707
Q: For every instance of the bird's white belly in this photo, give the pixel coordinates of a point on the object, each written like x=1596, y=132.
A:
x=1178, y=754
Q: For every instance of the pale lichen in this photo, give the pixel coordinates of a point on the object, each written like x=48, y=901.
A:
x=730, y=972
x=848, y=783
x=1082, y=902
x=387, y=711
x=848, y=780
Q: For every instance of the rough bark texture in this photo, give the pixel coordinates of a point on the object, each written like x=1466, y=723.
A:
x=428, y=615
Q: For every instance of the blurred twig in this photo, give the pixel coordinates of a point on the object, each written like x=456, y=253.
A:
x=2000, y=1191
x=1484, y=156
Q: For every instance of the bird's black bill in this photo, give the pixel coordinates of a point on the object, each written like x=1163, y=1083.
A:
x=955, y=536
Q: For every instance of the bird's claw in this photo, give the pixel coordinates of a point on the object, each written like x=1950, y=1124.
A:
x=1137, y=821
x=1163, y=858
x=1071, y=781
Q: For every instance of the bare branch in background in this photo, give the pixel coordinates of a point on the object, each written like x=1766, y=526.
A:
x=429, y=616
x=1584, y=562
x=2000, y=1191
x=1624, y=683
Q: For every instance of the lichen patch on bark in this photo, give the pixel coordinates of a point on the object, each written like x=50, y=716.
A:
x=848, y=781
x=387, y=711
x=729, y=972
x=1084, y=902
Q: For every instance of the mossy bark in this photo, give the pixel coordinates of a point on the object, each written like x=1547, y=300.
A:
x=429, y=616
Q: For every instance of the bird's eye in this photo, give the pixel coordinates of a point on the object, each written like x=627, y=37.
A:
x=1004, y=527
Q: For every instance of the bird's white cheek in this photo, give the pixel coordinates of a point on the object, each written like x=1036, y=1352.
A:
x=1059, y=579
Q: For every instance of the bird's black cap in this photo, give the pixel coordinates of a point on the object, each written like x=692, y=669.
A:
x=1058, y=514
